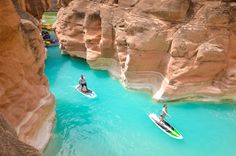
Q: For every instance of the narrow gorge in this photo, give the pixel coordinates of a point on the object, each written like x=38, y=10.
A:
x=183, y=52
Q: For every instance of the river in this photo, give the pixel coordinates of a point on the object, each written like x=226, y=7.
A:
x=116, y=123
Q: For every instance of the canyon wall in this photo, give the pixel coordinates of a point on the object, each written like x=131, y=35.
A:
x=25, y=101
x=177, y=49
x=53, y=6
x=10, y=144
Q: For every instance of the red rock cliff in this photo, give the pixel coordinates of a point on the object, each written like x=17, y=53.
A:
x=174, y=48
x=25, y=100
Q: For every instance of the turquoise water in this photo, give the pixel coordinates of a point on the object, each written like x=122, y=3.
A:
x=116, y=123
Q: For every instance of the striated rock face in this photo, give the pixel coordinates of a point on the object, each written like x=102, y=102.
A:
x=174, y=48
x=9, y=143
x=25, y=100
x=35, y=7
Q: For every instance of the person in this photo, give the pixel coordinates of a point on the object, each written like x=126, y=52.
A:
x=83, y=84
x=164, y=113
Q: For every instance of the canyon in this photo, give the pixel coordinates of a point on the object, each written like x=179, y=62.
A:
x=175, y=49
x=27, y=107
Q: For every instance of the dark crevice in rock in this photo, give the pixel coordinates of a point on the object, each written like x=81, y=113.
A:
x=23, y=14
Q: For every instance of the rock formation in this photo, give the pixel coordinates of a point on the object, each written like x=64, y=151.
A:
x=25, y=100
x=53, y=6
x=35, y=8
x=177, y=49
x=9, y=143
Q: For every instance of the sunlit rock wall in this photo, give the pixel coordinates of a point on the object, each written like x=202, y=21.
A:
x=25, y=100
x=177, y=49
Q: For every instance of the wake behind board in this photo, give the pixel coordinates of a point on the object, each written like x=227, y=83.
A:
x=165, y=127
x=89, y=94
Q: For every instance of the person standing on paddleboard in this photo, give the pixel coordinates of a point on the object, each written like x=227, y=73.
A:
x=83, y=84
x=164, y=113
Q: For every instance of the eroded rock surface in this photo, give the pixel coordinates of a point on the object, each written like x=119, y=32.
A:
x=35, y=7
x=10, y=144
x=25, y=100
x=174, y=48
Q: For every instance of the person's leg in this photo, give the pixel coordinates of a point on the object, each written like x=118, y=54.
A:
x=161, y=118
x=86, y=86
x=82, y=86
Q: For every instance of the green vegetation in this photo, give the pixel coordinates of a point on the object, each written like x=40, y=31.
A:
x=49, y=17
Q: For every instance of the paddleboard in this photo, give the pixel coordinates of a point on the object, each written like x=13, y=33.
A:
x=89, y=94
x=165, y=127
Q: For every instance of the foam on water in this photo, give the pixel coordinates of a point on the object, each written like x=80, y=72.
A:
x=116, y=123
